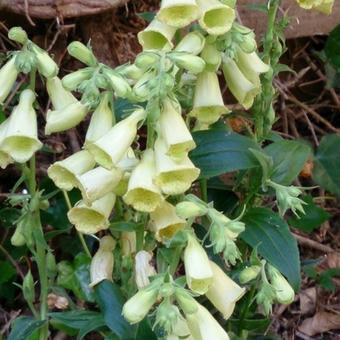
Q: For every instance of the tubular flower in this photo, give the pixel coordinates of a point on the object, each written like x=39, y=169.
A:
x=64, y=173
x=212, y=57
x=98, y=182
x=142, y=193
x=175, y=133
x=198, y=270
x=208, y=102
x=172, y=177
x=143, y=269
x=202, y=325
x=178, y=13
x=164, y=221
x=216, y=18
x=46, y=65
x=324, y=6
x=103, y=261
x=60, y=98
x=111, y=148
x=223, y=292
x=180, y=331
x=8, y=76
x=157, y=36
x=101, y=120
x=91, y=219
x=5, y=158
x=21, y=137
x=241, y=88
x=192, y=43
x=189, y=62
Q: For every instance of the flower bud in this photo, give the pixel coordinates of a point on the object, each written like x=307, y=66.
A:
x=142, y=193
x=192, y=43
x=46, y=65
x=120, y=86
x=18, y=34
x=51, y=265
x=8, y=76
x=5, y=158
x=111, y=148
x=198, y=271
x=25, y=61
x=91, y=219
x=249, y=274
x=216, y=18
x=167, y=316
x=180, y=331
x=265, y=297
x=212, y=57
x=143, y=269
x=145, y=60
x=131, y=72
x=21, y=139
x=178, y=139
x=186, y=301
x=74, y=80
x=189, y=62
x=60, y=98
x=64, y=173
x=164, y=222
x=142, y=87
x=178, y=13
x=223, y=292
x=28, y=288
x=102, y=262
x=157, y=36
x=18, y=237
x=81, y=52
x=187, y=210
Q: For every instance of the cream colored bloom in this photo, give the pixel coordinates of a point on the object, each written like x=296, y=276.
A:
x=173, y=177
x=91, y=219
x=164, y=221
x=157, y=36
x=208, y=104
x=143, y=269
x=175, y=133
x=5, y=158
x=223, y=292
x=64, y=173
x=60, y=98
x=198, y=270
x=203, y=326
x=21, y=137
x=192, y=43
x=8, y=76
x=216, y=18
x=101, y=120
x=181, y=331
x=46, y=65
x=102, y=262
x=98, y=182
x=111, y=148
x=142, y=193
x=73, y=80
x=128, y=242
x=178, y=13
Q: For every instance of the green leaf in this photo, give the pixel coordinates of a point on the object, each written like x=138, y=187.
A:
x=219, y=152
x=314, y=216
x=266, y=163
x=125, y=226
x=91, y=326
x=144, y=331
x=289, y=158
x=332, y=47
x=7, y=271
x=111, y=301
x=327, y=164
x=76, y=319
x=276, y=244
x=259, y=325
x=23, y=327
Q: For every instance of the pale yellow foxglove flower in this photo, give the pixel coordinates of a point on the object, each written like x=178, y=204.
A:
x=192, y=43
x=143, y=269
x=128, y=242
x=129, y=161
x=142, y=193
x=91, y=219
x=46, y=65
x=60, y=97
x=8, y=76
x=164, y=221
x=208, y=104
x=323, y=6
x=173, y=177
x=5, y=158
x=212, y=57
x=174, y=131
x=216, y=18
x=241, y=88
x=98, y=182
x=101, y=120
x=21, y=137
x=102, y=262
x=199, y=274
x=181, y=331
x=223, y=292
x=203, y=326
x=111, y=148
x=64, y=173
x=157, y=36
x=178, y=13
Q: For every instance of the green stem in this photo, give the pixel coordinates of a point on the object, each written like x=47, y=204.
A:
x=80, y=235
x=245, y=310
x=204, y=189
x=33, y=74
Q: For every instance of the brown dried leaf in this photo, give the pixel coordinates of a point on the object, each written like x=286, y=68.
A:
x=321, y=322
x=307, y=300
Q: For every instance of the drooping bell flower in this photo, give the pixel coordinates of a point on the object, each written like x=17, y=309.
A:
x=102, y=262
x=5, y=158
x=8, y=76
x=164, y=221
x=157, y=36
x=111, y=148
x=192, y=43
x=142, y=193
x=178, y=13
x=173, y=177
x=91, y=219
x=188, y=62
x=143, y=269
x=208, y=104
x=46, y=65
x=21, y=138
x=216, y=17
x=64, y=173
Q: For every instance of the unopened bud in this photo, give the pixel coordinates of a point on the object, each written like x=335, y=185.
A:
x=187, y=209
x=187, y=303
x=79, y=51
x=18, y=34
x=28, y=287
x=249, y=273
